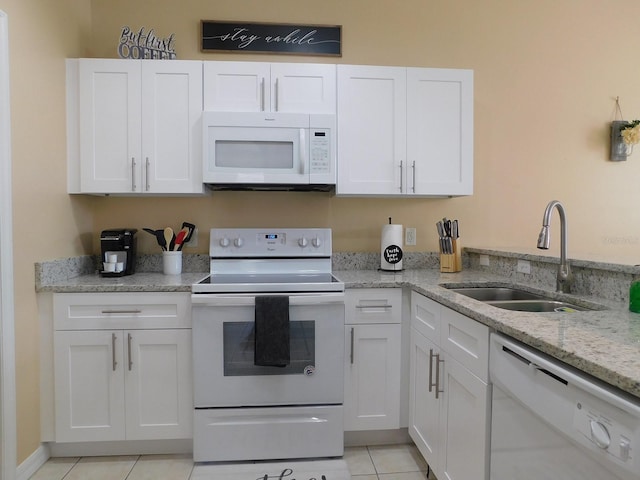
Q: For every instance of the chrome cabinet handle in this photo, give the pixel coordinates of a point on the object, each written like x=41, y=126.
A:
x=120, y=311
x=362, y=307
x=351, y=355
x=401, y=169
x=113, y=351
x=277, y=94
x=437, y=385
x=413, y=187
x=146, y=172
x=133, y=174
x=431, y=356
x=262, y=94
x=129, y=338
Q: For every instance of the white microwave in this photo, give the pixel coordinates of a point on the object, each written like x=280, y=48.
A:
x=269, y=150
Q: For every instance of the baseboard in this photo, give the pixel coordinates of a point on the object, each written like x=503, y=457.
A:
x=137, y=447
x=33, y=462
x=376, y=437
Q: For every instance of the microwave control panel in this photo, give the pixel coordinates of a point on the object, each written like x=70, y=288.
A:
x=320, y=150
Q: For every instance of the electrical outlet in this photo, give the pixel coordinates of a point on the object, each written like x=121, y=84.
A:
x=484, y=260
x=524, y=266
x=410, y=236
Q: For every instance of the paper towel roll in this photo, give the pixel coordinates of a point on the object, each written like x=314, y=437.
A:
x=391, y=248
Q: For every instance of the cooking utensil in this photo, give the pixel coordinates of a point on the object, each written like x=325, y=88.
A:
x=191, y=227
x=169, y=238
x=159, y=234
x=180, y=238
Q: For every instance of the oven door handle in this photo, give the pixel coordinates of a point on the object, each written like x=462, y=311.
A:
x=219, y=300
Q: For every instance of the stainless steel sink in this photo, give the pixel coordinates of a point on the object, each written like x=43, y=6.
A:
x=540, y=305
x=489, y=294
x=510, y=298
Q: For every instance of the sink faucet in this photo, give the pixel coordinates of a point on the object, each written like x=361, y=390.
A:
x=565, y=277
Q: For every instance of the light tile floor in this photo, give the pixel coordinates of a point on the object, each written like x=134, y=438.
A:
x=392, y=462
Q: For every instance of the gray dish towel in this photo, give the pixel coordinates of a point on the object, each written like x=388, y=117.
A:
x=272, y=347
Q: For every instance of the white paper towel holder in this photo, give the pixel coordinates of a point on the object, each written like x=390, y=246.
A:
x=391, y=248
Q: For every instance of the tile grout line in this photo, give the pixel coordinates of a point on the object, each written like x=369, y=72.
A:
x=132, y=467
x=72, y=467
x=373, y=463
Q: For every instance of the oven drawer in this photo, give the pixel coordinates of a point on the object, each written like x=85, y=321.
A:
x=261, y=433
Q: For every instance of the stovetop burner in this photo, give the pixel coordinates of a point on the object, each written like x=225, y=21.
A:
x=269, y=260
x=223, y=283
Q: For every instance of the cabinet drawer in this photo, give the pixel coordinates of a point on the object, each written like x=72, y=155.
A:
x=89, y=311
x=425, y=316
x=373, y=305
x=467, y=341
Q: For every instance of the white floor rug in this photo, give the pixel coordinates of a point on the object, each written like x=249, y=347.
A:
x=287, y=470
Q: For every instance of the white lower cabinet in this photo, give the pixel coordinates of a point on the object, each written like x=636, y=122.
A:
x=448, y=401
x=373, y=361
x=121, y=384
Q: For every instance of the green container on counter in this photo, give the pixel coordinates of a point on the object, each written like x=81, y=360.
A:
x=634, y=296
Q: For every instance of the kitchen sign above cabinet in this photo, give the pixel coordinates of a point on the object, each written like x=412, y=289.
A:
x=134, y=126
x=404, y=131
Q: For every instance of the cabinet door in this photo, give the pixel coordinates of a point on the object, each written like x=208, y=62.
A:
x=237, y=86
x=371, y=130
x=440, y=131
x=171, y=131
x=303, y=88
x=464, y=424
x=89, y=386
x=424, y=408
x=109, y=117
x=158, y=384
x=372, y=377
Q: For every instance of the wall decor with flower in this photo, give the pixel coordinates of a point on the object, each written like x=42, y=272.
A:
x=624, y=135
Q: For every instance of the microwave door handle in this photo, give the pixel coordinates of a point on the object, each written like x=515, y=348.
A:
x=303, y=156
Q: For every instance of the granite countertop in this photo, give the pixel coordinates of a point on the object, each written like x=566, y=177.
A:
x=139, y=282
x=603, y=343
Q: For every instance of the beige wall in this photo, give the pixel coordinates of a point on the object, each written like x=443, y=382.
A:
x=546, y=76
x=47, y=222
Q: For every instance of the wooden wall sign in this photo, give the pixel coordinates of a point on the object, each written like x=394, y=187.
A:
x=271, y=38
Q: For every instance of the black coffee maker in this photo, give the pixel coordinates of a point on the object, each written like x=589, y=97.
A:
x=118, y=252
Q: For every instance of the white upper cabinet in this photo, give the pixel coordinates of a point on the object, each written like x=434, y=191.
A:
x=134, y=126
x=440, y=131
x=372, y=146
x=404, y=131
x=269, y=87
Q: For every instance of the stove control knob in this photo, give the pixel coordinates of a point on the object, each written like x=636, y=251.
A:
x=316, y=242
x=238, y=242
x=224, y=242
x=303, y=242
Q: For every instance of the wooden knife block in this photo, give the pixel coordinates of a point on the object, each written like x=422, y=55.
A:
x=451, y=263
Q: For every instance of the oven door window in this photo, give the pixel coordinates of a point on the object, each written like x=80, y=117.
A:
x=239, y=344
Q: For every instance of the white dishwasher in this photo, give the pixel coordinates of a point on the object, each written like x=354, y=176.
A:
x=550, y=421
